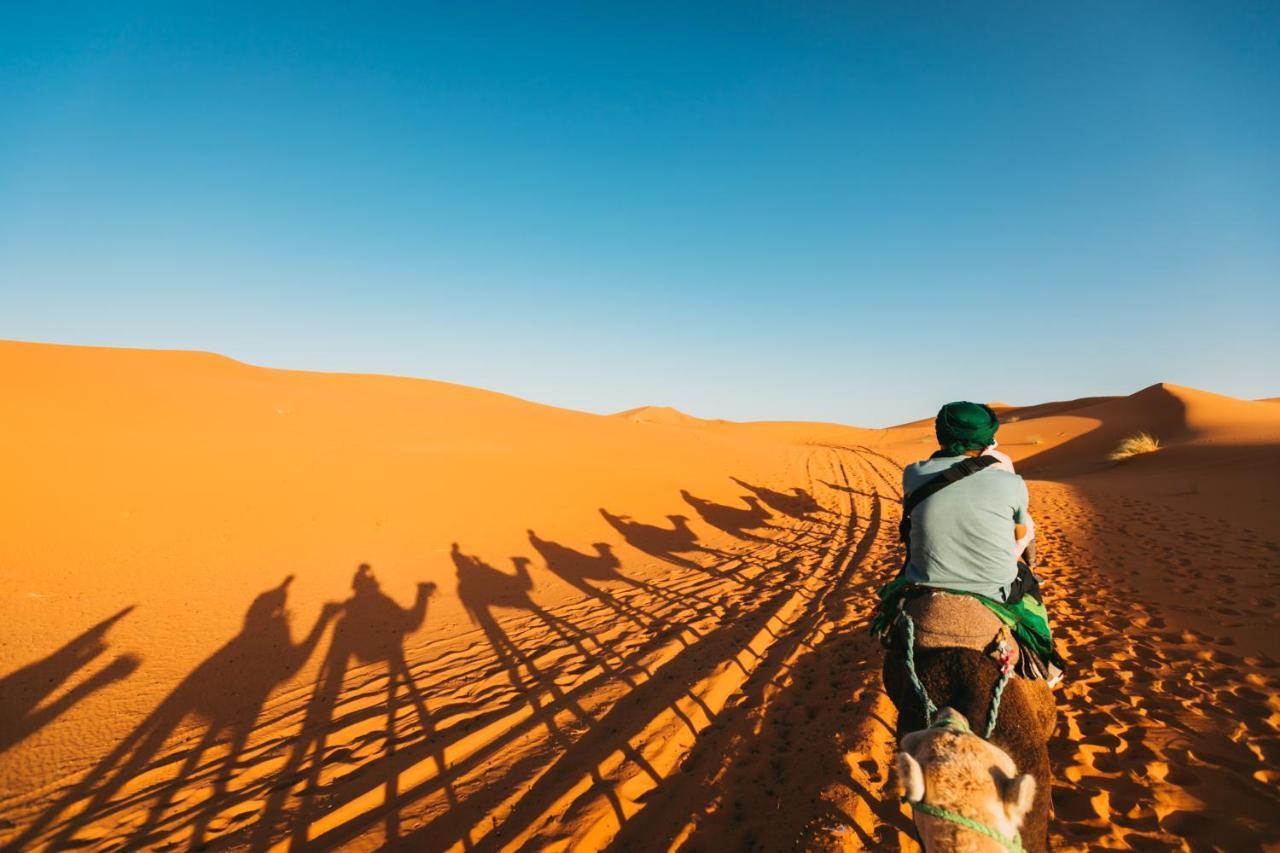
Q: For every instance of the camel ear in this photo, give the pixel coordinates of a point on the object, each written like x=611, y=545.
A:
x=1018, y=794
x=910, y=778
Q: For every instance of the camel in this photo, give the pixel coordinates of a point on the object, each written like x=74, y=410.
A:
x=966, y=794
x=964, y=680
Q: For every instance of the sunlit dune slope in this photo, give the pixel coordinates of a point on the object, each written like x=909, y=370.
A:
x=1218, y=455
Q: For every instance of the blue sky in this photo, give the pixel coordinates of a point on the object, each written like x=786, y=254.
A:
x=827, y=211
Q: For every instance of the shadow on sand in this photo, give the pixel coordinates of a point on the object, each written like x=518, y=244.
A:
x=226, y=692
x=22, y=692
x=370, y=631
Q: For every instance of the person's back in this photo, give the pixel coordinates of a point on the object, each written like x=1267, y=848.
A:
x=962, y=536
x=971, y=535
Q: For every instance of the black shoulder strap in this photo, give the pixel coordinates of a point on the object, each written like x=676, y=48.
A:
x=932, y=486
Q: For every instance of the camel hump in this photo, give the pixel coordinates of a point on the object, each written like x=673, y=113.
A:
x=946, y=620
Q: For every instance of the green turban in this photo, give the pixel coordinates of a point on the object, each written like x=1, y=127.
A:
x=964, y=426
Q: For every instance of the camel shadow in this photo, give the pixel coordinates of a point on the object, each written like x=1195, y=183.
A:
x=665, y=543
x=227, y=693
x=588, y=573
x=799, y=504
x=733, y=520
x=23, y=691
x=370, y=630
x=484, y=589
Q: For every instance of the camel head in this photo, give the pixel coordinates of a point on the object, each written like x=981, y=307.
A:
x=522, y=577
x=268, y=606
x=956, y=782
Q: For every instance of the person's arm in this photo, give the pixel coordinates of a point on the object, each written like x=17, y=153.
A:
x=1024, y=527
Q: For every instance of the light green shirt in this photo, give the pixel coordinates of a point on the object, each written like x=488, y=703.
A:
x=962, y=536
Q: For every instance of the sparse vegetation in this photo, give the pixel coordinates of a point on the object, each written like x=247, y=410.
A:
x=1035, y=439
x=1135, y=445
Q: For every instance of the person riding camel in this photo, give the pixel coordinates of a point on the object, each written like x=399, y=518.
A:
x=968, y=532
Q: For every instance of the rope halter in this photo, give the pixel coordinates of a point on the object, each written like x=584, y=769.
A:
x=1013, y=844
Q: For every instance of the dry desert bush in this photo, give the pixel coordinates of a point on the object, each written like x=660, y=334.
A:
x=1135, y=445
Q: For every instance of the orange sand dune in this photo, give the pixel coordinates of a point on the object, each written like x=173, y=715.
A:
x=254, y=608
x=663, y=415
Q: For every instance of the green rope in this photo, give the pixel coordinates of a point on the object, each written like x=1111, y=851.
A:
x=929, y=708
x=1012, y=844
x=1005, y=671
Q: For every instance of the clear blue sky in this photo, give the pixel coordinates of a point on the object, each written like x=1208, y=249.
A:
x=839, y=211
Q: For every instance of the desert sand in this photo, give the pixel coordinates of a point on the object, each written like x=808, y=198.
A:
x=254, y=608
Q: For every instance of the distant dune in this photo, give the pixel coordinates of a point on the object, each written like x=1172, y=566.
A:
x=244, y=606
x=661, y=415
